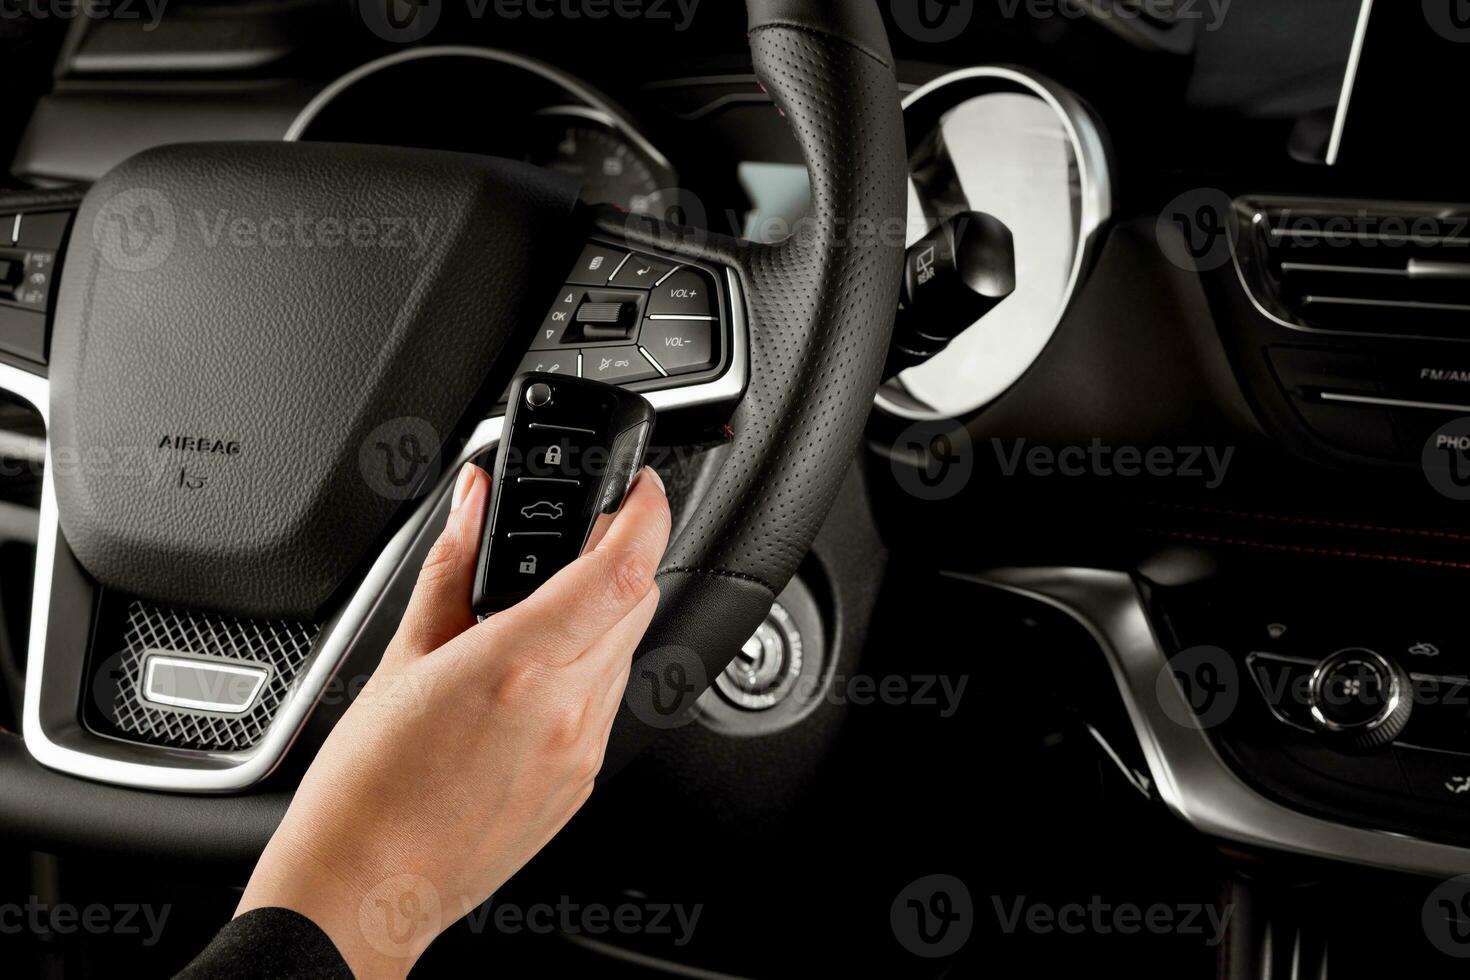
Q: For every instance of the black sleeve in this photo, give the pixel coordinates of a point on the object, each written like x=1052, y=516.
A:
x=269, y=944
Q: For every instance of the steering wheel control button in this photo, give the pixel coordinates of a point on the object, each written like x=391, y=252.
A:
x=43, y=231
x=1360, y=698
x=679, y=346
x=590, y=316
x=559, y=320
x=607, y=321
x=23, y=333
x=617, y=365
x=597, y=265
x=568, y=453
x=642, y=272
x=563, y=361
x=687, y=293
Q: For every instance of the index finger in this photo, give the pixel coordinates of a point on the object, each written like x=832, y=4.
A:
x=590, y=596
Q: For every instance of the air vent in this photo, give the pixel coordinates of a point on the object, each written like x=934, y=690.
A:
x=1395, y=270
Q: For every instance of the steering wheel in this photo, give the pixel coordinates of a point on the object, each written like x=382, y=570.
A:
x=210, y=408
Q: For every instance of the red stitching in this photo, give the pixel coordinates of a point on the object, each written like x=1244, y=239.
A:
x=1317, y=522
x=1309, y=550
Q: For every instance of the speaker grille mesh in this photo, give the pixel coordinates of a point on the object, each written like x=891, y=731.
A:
x=282, y=645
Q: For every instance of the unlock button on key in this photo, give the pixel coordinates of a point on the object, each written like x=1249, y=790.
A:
x=520, y=562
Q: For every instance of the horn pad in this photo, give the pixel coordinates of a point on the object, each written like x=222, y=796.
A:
x=260, y=348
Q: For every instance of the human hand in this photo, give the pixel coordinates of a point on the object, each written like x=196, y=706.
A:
x=472, y=744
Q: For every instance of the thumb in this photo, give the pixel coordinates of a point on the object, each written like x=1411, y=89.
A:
x=439, y=609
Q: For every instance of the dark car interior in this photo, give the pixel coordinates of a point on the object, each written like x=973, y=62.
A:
x=1110, y=488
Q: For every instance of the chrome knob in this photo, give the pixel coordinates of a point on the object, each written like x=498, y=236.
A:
x=1360, y=698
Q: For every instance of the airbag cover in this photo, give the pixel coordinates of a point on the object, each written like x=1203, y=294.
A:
x=255, y=342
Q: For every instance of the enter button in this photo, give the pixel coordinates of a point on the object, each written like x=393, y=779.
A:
x=679, y=346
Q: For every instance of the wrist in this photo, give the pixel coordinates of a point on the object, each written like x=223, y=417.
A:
x=379, y=928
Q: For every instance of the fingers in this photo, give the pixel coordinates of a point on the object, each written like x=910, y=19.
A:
x=596, y=592
x=612, y=653
x=439, y=609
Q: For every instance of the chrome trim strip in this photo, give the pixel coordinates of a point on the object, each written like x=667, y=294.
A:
x=650, y=359
x=1333, y=396
x=1349, y=83
x=33, y=389
x=1192, y=780
x=595, y=100
x=1093, y=176
x=153, y=661
x=231, y=771
x=1260, y=307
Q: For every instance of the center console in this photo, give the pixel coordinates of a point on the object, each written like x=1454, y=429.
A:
x=1345, y=695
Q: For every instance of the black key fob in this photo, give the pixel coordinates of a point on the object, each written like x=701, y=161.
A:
x=567, y=457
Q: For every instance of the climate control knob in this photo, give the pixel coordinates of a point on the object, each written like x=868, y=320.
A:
x=1360, y=699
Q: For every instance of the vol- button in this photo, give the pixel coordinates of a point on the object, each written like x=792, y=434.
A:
x=678, y=345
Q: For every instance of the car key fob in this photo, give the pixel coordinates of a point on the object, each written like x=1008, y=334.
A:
x=568, y=454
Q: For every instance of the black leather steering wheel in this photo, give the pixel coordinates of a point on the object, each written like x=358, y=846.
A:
x=820, y=311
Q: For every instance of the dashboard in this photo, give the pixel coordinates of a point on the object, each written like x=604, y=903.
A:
x=1210, y=406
